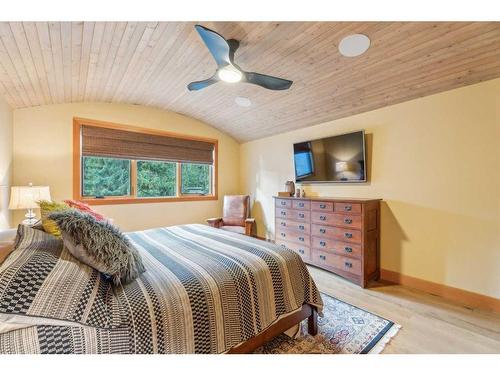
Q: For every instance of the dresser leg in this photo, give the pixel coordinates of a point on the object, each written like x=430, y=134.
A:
x=312, y=322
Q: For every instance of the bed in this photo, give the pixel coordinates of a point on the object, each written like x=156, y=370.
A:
x=204, y=291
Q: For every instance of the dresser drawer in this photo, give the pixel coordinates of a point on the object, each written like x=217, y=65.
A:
x=301, y=204
x=346, y=220
x=322, y=218
x=336, y=233
x=303, y=251
x=336, y=261
x=343, y=220
x=283, y=203
x=293, y=225
x=322, y=206
x=353, y=208
x=333, y=246
x=293, y=236
x=293, y=214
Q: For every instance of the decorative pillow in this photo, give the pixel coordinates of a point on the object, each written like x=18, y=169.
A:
x=84, y=207
x=47, y=207
x=99, y=245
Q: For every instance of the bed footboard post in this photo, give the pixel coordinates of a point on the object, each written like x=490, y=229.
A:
x=312, y=322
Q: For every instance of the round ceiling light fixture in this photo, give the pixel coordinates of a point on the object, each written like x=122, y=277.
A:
x=354, y=45
x=242, y=101
x=230, y=74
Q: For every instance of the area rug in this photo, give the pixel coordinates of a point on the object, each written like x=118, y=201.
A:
x=343, y=329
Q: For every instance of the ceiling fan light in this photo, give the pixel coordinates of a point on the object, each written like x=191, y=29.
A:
x=229, y=74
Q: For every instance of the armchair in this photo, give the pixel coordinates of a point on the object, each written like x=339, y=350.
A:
x=235, y=215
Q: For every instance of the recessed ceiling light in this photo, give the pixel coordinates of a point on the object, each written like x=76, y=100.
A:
x=243, y=102
x=354, y=45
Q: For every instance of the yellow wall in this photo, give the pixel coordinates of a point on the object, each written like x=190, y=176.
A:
x=435, y=161
x=5, y=162
x=43, y=155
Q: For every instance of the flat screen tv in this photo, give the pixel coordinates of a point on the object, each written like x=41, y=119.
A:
x=340, y=158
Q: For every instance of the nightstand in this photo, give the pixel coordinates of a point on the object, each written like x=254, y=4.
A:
x=6, y=243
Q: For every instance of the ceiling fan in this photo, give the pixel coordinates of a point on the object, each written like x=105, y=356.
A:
x=223, y=51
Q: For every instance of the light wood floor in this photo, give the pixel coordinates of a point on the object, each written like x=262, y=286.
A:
x=430, y=324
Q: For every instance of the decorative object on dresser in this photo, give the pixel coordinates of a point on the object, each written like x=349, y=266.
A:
x=341, y=235
x=290, y=187
x=235, y=217
x=26, y=198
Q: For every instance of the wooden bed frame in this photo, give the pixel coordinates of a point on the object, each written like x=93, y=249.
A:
x=308, y=312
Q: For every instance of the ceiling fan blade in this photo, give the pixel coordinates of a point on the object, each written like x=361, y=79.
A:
x=216, y=44
x=198, y=85
x=268, y=82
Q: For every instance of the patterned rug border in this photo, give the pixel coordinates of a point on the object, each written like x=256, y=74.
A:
x=379, y=342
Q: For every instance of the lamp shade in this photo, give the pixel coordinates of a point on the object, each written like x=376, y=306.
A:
x=25, y=197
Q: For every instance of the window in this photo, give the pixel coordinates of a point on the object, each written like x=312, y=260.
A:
x=106, y=177
x=156, y=179
x=195, y=178
x=116, y=164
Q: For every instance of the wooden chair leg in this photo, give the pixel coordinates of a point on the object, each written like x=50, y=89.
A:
x=312, y=322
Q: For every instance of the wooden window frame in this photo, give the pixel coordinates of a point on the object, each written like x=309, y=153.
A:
x=77, y=167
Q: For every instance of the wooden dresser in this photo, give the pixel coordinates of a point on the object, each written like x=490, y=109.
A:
x=341, y=235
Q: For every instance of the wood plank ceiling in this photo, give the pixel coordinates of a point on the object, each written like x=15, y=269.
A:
x=151, y=64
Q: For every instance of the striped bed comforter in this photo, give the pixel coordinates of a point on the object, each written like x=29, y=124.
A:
x=204, y=291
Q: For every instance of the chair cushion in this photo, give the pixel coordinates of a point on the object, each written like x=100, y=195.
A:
x=235, y=209
x=234, y=228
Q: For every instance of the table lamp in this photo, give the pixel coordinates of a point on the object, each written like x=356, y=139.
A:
x=26, y=198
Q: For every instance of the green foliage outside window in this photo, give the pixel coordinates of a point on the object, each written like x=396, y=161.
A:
x=195, y=178
x=156, y=179
x=109, y=177
x=105, y=177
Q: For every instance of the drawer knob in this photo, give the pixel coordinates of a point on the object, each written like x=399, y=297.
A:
x=322, y=243
x=322, y=206
x=348, y=249
x=301, y=204
x=301, y=239
x=347, y=221
x=283, y=224
x=301, y=216
x=347, y=208
x=283, y=203
x=283, y=235
x=301, y=251
x=322, y=218
x=283, y=213
x=301, y=227
x=348, y=264
x=348, y=235
x=322, y=230
x=322, y=257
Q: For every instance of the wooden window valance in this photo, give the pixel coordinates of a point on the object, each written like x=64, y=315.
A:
x=115, y=143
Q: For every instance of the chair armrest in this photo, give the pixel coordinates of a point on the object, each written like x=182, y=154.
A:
x=215, y=222
x=249, y=225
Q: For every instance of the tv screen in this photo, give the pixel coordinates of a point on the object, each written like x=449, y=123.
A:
x=340, y=158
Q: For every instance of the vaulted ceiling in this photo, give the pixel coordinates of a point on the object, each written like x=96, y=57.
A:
x=151, y=64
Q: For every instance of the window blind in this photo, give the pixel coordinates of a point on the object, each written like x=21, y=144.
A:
x=114, y=143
